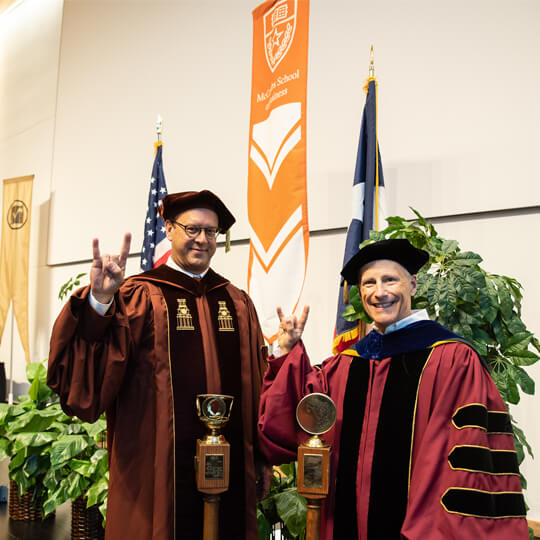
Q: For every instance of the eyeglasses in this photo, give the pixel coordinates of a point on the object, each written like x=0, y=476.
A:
x=192, y=231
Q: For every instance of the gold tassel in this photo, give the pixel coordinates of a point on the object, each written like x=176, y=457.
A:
x=228, y=241
x=345, y=292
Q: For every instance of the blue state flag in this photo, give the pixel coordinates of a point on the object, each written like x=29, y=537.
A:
x=368, y=208
x=156, y=247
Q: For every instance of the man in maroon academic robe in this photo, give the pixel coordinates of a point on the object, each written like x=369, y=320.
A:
x=422, y=448
x=141, y=349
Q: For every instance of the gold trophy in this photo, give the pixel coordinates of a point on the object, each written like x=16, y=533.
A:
x=212, y=458
x=316, y=414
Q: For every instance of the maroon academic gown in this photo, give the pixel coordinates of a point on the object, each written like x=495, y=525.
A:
x=166, y=338
x=429, y=460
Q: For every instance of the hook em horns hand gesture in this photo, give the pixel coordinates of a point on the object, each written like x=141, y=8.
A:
x=107, y=271
x=290, y=329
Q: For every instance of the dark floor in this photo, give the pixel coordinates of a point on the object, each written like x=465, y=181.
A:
x=57, y=528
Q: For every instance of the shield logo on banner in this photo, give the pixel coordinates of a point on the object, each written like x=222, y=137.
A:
x=17, y=214
x=279, y=26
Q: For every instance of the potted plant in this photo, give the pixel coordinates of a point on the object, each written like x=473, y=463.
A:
x=78, y=464
x=56, y=456
x=79, y=472
x=27, y=431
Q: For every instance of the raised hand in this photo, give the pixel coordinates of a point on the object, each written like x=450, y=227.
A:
x=107, y=271
x=290, y=329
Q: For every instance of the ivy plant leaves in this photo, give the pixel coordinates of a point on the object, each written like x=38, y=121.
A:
x=69, y=285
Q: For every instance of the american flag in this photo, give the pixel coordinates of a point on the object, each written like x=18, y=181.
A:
x=368, y=210
x=156, y=248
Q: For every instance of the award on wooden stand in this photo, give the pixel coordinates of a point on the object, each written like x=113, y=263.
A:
x=316, y=414
x=212, y=459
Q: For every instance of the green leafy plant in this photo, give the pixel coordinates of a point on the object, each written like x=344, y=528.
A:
x=27, y=431
x=78, y=467
x=482, y=307
x=283, y=505
x=69, y=285
x=58, y=455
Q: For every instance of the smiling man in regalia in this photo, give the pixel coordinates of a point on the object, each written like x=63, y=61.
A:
x=141, y=349
x=422, y=448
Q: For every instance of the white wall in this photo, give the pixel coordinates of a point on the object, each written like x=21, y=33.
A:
x=29, y=53
x=458, y=117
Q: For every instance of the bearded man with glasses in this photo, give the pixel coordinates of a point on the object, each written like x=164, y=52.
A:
x=141, y=349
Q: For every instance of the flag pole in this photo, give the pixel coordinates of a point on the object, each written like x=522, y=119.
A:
x=159, y=127
x=372, y=77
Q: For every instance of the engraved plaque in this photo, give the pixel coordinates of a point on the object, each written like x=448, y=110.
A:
x=213, y=467
x=313, y=471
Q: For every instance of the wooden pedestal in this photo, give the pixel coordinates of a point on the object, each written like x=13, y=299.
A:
x=313, y=478
x=212, y=466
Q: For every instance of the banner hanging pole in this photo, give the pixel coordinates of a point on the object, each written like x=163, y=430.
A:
x=10, y=395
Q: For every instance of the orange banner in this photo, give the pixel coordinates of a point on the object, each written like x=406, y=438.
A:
x=277, y=194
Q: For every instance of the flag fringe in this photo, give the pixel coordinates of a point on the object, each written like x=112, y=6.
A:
x=366, y=84
x=342, y=342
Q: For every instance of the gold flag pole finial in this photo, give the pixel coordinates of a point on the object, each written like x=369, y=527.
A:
x=159, y=127
x=371, y=64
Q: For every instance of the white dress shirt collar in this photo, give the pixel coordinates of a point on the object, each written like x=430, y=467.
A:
x=171, y=264
x=416, y=315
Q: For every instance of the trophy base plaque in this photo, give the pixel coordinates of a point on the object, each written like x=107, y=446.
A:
x=212, y=465
x=313, y=471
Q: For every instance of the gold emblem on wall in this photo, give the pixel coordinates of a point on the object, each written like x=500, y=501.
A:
x=225, y=321
x=184, y=320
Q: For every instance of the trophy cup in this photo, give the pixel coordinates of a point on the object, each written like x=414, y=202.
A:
x=212, y=458
x=316, y=414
